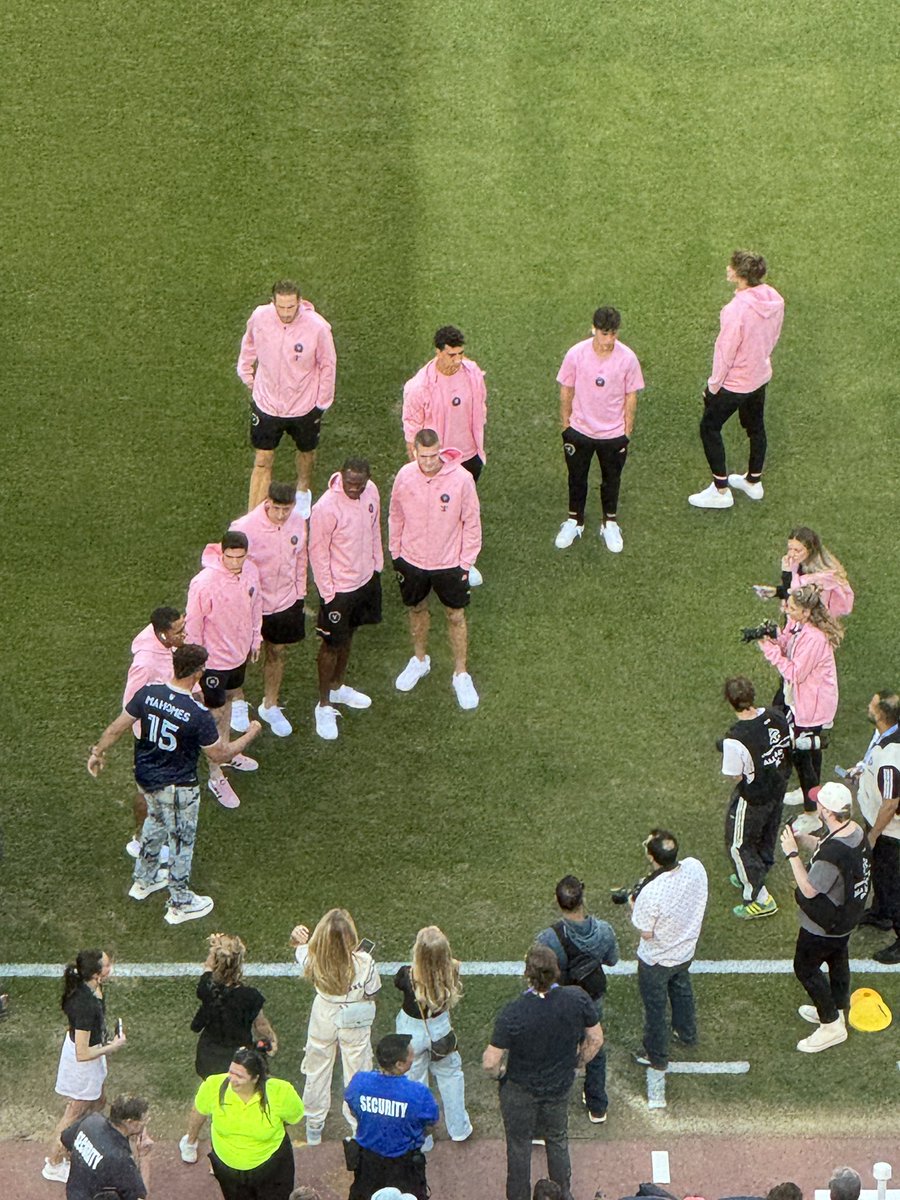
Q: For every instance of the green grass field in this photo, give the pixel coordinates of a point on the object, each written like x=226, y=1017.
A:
x=508, y=169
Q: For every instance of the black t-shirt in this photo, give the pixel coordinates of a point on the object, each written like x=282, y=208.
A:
x=224, y=1021
x=403, y=981
x=86, y=1010
x=767, y=738
x=174, y=727
x=542, y=1035
x=101, y=1158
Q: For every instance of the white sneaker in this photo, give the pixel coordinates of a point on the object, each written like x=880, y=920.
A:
x=313, y=1136
x=240, y=716
x=612, y=535
x=188, y=1150
x=808, y=1013
x=476, y=579
x=753, y=490
x=133, y=848
x=568, y=532
x=140, y=891
x=793, y=798
x=807, y=822
x=711, y=497
x=412, y=673
x=303, y=504
x=326, y=722
x=196, y=907
x=825, y=1036
x=465, y=690
x=349, y=696
x=276, y=720
x=56, y=1172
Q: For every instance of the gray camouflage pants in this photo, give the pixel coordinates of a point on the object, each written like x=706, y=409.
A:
x=171, y=819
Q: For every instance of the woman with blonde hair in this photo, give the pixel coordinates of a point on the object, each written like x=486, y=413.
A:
x=431, y=987
x=807, y=561
x=803, y=653
x=345, y=978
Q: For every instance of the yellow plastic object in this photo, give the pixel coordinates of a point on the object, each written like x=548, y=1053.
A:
x=868, y=1012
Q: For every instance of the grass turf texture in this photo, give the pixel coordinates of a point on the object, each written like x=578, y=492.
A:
x=506, y=170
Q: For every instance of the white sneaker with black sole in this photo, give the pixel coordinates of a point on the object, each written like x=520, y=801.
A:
x=568, y=532
x=414, y=670
x=140, y=891
x=711, y=497
x=240, y=716
x=753, y=490
x=192, y=910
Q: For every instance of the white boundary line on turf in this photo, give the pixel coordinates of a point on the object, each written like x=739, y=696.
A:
x=277, y=970
x=708, y=1068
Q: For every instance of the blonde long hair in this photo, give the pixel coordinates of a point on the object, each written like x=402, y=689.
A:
x=809, y=598
x=434, y=973
x=330, y=964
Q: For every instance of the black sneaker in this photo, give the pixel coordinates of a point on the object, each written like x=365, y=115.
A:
x=890, y=954
x=872, y=918
x=641, y=1058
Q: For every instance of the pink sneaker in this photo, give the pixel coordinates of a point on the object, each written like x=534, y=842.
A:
x=242, y=762
x=224, y=793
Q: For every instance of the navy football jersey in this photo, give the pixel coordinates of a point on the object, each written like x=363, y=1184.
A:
x=173, y=729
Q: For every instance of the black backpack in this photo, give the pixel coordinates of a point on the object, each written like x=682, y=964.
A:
x=581, y=968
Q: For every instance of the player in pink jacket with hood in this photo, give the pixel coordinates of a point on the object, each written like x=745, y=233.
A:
x=750, y=325
x=803, y=653
x=224, y=614
x=434, y=527
x=287, y=360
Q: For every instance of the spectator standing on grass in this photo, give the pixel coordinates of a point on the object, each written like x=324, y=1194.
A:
x=287, y=360
x=110, y=1153
x=343, y=1011
x=583, y=946
x=448, y=395
x=431, y=988
x=808, y=561
x=434, y=526
x=749, y=328
x=831, y=895
x=667, y=908
x=347, y=559
x=599, y=381
x=538, y=1041
x=81, y=1074
x=174, y=728
x=276, y=535
x=224, y=614
x=756, y=754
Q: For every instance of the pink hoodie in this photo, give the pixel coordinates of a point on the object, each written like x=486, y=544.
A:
x=805, y=659
x=295, y=363
x=151, y=663
x=435, y=522
x=279, y=553
x=345, y=539
x=424, y=408
x=836, y=596
x=224, y=611
x=749, y=327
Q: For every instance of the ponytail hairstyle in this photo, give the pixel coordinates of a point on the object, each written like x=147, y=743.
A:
x=256, y=1063
x=434, y=973
x=809, y=598
x=87, y=964
x=818, y=556
x=330, y=964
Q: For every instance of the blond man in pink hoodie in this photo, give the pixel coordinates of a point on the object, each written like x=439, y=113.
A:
x=434, y=527
x=347, y=559
x=287, y=360
x=750, y=325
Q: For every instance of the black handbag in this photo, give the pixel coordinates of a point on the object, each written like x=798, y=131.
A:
x=443, y=1046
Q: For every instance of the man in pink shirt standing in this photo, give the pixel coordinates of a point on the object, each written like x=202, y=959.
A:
x=598, y=385
x=434, y=527
x=448, y=395
x=287, y=360
x=347, y=558
x=277, y=547
x=224, y=614
x=749, y=327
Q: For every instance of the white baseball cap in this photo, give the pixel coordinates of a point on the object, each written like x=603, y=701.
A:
x=836, y=797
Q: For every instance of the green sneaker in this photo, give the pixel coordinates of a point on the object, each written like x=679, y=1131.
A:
x=748, y=912
x=734, y=881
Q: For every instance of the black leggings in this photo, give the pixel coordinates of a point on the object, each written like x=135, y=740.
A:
x=808, y=764
x=271, y=1180
x=611, y=454
x=750, y=407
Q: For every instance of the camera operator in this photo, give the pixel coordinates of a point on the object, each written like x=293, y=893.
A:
x=667, y=906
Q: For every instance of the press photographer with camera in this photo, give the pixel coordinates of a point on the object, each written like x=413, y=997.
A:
x=667, y=907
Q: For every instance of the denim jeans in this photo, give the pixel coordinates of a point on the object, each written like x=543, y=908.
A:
x=447, y=1072
x=526, y=1116
x=595, y=1096
x=660, y=986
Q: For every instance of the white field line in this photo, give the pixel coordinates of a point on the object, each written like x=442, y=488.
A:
x=659, y=1165
x=708, y=1068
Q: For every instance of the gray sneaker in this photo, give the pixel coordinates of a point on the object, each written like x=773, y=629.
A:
x=191, y=910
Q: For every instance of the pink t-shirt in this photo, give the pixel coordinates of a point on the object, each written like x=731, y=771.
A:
x=601, y=385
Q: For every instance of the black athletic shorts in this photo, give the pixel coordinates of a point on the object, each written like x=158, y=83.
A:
x=266, y=431
x=451, y=586
x=474, y=466
x=348, y=610
x=214, y=685
x=285, y=627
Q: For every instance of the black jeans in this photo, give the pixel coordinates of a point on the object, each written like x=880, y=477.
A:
x=808, y=765
x=271, y=1180
x=750, y=407
x=886, y=880
x=611, y=454
x=526, y=1116
x=595, y=1096
x=831, y=994
x=659, y=987
x=751, y=831
x=376, y=1171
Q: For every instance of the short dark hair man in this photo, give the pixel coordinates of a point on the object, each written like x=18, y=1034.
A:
x=844, y=1184
x=543, y=1035
x=101, y=1152
x=756, y=754
x=394, y=1114
x=174, y=728
x=878, y=773
x=583, y=945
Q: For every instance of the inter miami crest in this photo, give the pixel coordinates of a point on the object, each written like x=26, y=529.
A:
x=600, y=381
